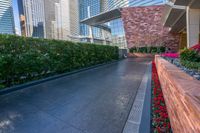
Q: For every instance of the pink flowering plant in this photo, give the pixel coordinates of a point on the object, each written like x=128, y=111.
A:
x=171, y=55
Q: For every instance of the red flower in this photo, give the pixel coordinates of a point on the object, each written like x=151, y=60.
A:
x=159, y=111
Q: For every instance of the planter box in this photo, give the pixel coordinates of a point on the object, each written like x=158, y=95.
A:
x=182, y=97
x=140, y=55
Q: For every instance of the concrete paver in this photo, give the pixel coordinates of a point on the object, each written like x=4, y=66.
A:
x=93, y=101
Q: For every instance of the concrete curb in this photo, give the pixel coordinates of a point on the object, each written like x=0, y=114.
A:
x=32, y=83
x=145, y=126
x=140, y=117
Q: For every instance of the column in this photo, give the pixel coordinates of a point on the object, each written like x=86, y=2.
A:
x=90, y=27
x=193, y=26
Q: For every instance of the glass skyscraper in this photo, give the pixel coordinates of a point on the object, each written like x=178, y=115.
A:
x=51, y=19
x=6, y=17
x=32, y=20
x=87, y=9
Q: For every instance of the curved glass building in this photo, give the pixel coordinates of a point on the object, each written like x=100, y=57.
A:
x=6, y=17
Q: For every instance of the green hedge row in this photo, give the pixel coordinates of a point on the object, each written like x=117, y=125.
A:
x=152, y=50
x=26, y=59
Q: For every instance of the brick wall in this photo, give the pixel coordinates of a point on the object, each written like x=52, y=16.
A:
x=182, y=96
x=143, y=27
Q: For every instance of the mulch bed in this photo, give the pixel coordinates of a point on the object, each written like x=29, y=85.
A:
x=160, y=119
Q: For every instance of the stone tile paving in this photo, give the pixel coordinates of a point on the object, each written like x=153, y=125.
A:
x=93, y=101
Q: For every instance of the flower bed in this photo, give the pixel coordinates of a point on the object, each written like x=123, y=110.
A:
x=160, y=120
x=170, y=55
x=182, y=97
x=196, y=47
x=188, y=61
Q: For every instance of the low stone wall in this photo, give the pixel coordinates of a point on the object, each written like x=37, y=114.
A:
x=182, y=97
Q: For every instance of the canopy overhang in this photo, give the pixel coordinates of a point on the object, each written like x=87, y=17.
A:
x=182, y=2
x=195, y=4
x=103, y=17
x=103, y=26
x=175, y=17
x=180, y=25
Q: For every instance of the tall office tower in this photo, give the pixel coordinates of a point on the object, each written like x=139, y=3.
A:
x=62, y=19
x=32, y=18
x=50, y=18
x=6, y=17
x=98, y=34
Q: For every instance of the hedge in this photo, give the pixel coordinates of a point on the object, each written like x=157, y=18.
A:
x=152, y=50
x=26, y=59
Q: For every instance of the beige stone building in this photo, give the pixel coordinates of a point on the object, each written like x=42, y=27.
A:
x=62, y=19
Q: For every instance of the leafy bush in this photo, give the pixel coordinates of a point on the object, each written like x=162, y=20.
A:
x=152, y=50
x=26, y=59
x=190, y=55
x=190, y=58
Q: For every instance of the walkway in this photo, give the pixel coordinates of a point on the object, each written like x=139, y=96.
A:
x=93, y=101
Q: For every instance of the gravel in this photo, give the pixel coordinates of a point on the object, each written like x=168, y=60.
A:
x=191, y=72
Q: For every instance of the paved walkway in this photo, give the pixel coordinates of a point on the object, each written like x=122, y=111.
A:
x=94, y=101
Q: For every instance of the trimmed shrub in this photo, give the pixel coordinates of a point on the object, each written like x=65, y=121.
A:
x=152, y=50
x=26, y=59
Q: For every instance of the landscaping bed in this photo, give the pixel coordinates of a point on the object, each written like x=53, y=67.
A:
x=145, y=52
x=192, y=72
x=181, y=94
x=27, y=59
x=188, y=60
x=160, y=119
x=148, y=50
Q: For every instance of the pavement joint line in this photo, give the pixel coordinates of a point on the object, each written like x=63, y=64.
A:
x=139, y=100
x=133, y=122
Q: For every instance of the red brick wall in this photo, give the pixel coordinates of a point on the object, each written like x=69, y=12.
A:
x=143, y=27
x=182, y=97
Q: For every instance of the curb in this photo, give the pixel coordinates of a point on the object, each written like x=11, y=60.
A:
x=145, y=125
x=32, y=83
x=139, y=118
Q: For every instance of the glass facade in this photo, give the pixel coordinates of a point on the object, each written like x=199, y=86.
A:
x=32, y=18
x=145, y=2
x=6, y=17
x=89, y=8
